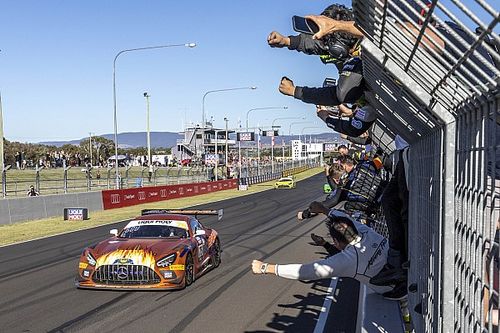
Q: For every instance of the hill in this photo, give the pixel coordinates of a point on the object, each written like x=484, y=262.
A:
x=169, y=139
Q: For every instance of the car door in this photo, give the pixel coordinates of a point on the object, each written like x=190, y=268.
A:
x=201, y=255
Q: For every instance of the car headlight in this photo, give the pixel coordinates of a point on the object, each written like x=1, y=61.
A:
x=91, y=260
x=167, y=261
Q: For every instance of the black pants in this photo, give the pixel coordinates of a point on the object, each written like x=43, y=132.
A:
x=352, y=127
x=395, y=206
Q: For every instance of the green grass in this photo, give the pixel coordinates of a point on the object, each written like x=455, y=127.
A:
x=23, y=231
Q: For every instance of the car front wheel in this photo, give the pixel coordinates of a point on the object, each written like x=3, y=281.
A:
x=189, y=272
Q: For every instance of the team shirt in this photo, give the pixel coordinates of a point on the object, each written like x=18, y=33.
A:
x=362, y=259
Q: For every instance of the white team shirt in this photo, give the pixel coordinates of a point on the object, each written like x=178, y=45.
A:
x=361, y=259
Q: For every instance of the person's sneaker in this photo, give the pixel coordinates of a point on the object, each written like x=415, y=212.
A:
x=318, y=240
x=398, y=293
x=389, y=275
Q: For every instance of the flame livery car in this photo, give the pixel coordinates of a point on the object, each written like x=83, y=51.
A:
x=285, y=182
x=162, y=249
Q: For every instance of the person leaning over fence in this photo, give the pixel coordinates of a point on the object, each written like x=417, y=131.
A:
x=361, y=254
x=32, y=192
x=360, y=116
x=341, y=47
x=335, y=180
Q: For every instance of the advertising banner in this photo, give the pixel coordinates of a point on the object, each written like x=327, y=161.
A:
x=135, y=196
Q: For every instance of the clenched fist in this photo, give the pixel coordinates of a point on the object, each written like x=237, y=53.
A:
x=275, y=39
x=286, y=87
x=256, y=265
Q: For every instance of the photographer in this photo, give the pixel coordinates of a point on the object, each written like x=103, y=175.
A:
x=32, y=192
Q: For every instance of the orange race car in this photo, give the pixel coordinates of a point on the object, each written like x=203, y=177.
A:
x=161, y=249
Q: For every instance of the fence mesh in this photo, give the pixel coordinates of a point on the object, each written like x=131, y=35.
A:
x=433, y=70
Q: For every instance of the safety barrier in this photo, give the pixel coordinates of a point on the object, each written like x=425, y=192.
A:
x=445, y=103
x=14, y=210
x=271, y=176
x=129, y=197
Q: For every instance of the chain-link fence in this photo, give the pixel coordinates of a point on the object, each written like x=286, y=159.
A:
x=433, y=69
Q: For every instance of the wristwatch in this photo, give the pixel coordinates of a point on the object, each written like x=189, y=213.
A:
x=263, y=267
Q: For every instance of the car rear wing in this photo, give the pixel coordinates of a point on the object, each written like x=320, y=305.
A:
x=195, y=212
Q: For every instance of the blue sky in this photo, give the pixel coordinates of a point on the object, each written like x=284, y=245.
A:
x=56, y=65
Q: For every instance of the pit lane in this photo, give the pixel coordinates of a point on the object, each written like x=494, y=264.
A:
x=38, y=295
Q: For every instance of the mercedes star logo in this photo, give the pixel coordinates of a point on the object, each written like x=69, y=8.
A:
x=122, y=273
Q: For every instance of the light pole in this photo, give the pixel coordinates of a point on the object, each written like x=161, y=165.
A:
x=272, y=140
x=260, y=109
x=226, y=152
x=203, y=120
x=190, y=45
x=90, y=147
x=148, y=133
x=264, y=108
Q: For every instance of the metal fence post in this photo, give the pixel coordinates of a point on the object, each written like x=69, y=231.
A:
x=4, y=182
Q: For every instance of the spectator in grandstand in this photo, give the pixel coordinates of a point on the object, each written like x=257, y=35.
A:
x=340, y=47
x=361, y=254
x=32, y=192
x=395, y=206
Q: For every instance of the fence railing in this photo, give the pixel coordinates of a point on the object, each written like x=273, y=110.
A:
x=16, y=183
x=445, y=102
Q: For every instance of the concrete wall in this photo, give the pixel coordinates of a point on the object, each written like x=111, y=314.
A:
x=32, y=208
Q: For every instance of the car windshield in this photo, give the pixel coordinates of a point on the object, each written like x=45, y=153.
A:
x=285, y=180
x=153, y=231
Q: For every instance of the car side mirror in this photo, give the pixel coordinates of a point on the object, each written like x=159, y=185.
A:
x=114, y=232
x=200, y=232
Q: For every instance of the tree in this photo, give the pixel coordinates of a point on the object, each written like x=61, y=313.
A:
x=102, y=148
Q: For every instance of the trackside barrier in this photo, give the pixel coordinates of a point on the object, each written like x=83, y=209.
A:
x=130, y=197
x=445, y=102
x=14, y=210
x=271, y=176
x=293, y=171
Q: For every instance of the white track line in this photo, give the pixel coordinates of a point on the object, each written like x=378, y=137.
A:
x=325, y=310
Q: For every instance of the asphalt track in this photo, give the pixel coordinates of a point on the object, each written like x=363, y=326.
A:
x=38, y=294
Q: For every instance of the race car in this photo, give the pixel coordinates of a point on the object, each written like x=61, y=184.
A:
x=285, y=182
x=327, y=188
x=161, y=249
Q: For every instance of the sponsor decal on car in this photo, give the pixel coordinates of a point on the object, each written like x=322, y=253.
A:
x=173, y=223
x=82, y=265
x=176, y=267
